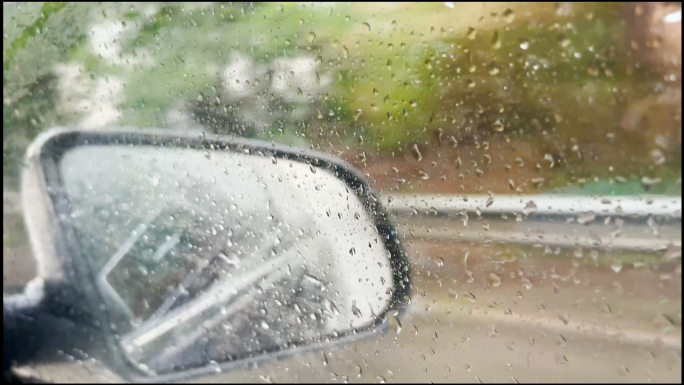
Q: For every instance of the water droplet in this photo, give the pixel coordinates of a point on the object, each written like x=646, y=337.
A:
x=231, y=259
x=498, y=126
x=347, y=18
x=563, y=41
x=428, y=64
x=394, y=324
x=508, y=15
x=496, y=42
x=366, y=26
x=280, y=8
x=526, y=283
x=524, y=44
x=530, y=208
x=299, y=91
x=413, y=103
x=207, y=155
x=352, y=251
x=489, y=202
x=440, y=262
x=423, y=175
x=356, y=117
x=312, y=37
x=471, y=33
x=416, y=152
x=658, y=157
x=650, y=182
x=454, y=142
x=312, y=169
x=355, y=310
x=389, y=64
x=561, y=359
x=494, y=279
x=493, y=69
x=586, y=218
x=469, y=296
x=537, y=181
x=616, y=265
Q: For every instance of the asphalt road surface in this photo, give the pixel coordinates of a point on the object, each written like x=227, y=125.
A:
x=449, y=339
x=436, y=347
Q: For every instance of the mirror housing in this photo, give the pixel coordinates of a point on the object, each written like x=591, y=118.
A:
x=62, y=161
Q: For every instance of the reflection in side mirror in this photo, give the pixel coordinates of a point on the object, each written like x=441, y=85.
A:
x=207, y=252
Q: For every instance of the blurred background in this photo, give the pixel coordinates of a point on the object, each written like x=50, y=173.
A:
x=562, y=99
x=595, y=86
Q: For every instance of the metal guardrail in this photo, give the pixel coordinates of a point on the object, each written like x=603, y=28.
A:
x=648, y=224
x=628, y=206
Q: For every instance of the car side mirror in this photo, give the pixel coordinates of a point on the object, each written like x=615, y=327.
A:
x=195, y=253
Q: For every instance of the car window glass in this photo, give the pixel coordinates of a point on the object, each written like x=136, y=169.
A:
x=529, y=154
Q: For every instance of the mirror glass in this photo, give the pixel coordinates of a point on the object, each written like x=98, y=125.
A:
x=207, y=256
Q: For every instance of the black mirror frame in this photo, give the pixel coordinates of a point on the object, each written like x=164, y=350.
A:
x=41, y=175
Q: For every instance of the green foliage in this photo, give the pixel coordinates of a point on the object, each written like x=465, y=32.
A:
x=30, y=31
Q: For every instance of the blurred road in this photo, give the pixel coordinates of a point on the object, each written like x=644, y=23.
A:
x=554, y=332
x=436, y=347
